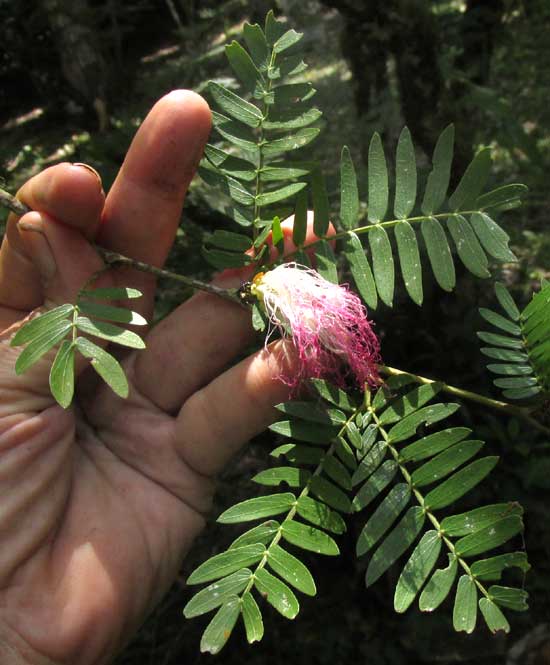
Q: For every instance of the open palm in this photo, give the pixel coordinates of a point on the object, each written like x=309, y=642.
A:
x=101, y=501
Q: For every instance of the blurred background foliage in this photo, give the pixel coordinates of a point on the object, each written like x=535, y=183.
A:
x=76, y=80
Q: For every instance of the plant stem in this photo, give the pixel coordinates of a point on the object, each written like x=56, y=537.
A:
x=511, y=409
x=114, y=259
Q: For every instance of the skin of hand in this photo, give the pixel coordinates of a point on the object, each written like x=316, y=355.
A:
x=100, y=502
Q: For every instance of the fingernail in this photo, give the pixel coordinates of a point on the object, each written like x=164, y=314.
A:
x=37, y=246
x=91, y=170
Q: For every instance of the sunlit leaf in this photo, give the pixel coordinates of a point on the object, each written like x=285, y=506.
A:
x=256, y=43
x=492, y=568
x=382, y=263
x=379, y=480
x=298, y=140
x=217, y=593
x=490, y=537
x=226, y=563
x=427, y=415
x=263, y=533
x=252, y=618
x=277, y=593
x=460, y=483
x=438, y=586
x=110, y=332
x=492, y=237
x=493, y=616
x=439, y=253
x=291, y=569
x=438, y=180
x=479, y=518
x=433, y=443
x=220, y=628
x=405, y=175
x=235, y=106
x=47, y=321
x=110, y=313
x=320, y=514
x=506, y=301
x=309, y=538
x=258, y=507
x=500, y=321
x=467, y=245
x=472, y=182
x=410, y=403
x=409, y=259
x=285, y=192
x=282, y=475
x=514, y=599
x=349, y=196
x=465, y=607
x=106, y=365
x=378, y=181
x=445, y=463
x=62, y=374
x=41, y=343
x=360, y=269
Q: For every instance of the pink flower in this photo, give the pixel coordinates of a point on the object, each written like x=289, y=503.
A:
x=327, y=323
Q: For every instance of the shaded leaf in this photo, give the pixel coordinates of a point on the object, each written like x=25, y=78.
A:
x=349, y=195
x=303, y=431
x=500, y=321
x=505, y=355
x=279, y=194
x=230, y=240
x=235, y=133
x=229, y=186
x=320, y=514
x=111, y=293
x=416, y=570
x=330, y=494
x=298, y=140
x=333, y=394
x=280, y=119
x=506, y=301
x=370, y=462
x=379, y=480
x=258, y=507
x=383, y=517
x=335, y=470
x=514, y=599
x=500, y=340
x=326, y=261
x=221, y=259
x=320, y=204
x=402, y=536
x=273, y=29
x=300, y=454
x=299, y=228
x=501, y=196
x=287, y=40
x=288, y=475
x=511, y=370
x=110, y=313
x=313, y=412
x=492, y=237
x=243, y=65
x=256, y=43
x=410, y=403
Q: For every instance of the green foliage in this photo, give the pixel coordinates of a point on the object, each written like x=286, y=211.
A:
x=368, y=449
x=521, y=344
x=65, y=324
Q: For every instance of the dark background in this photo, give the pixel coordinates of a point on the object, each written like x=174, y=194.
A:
x=76, y=79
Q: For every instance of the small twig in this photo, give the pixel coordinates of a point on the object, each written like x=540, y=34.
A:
x=511, y=409
x=114, y=259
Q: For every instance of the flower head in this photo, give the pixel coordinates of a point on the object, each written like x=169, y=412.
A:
x=327, y=323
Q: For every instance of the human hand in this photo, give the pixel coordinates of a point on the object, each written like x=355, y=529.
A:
x=101, y=501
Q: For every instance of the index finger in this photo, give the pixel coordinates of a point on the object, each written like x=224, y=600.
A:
x=143, y=208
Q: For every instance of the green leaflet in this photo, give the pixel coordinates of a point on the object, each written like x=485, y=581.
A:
x=226, y=563
x=106, y=365
x=446, y=462
x=299, y=228
x=303, y=431
x=287, y=40
x=291, y=569
x=219, y=629
x=409, y=258
x=379, y=480
x=349, y=195
x=515, y=599
x=438, y=586
x=243, y=65
x=501, y=197
x=320, y=204
x=439, y=253
x=465, y=607
x=383, y=517
x=320, y=514
x=439, y=178
x=109, y=332
x=276, y=593
x=370, y=462
x=279, y=194
x=41, y=343
x=313, y=412
x=467, y=245
x=460, y=483
x=298, y=140
x=241, y=169
x=235, y=106
x=360, y=269
x=429, y=415
x=378, y=181
x=472, y=182
x=490, y=537
x=405, y=176
x=382, y=263
x=336, y=471
x=416, y=570
x=506, y=301
x=309, y=538
x=326, y=261
x=491, y=569
x=333, y=394
x=330, y=494
x=217, y=593
x=252, y=618
x=287, y=475
x=62, y=374
x=257, y=45
x=432, y=444
x=500, y=321
x=111, y=293
x=300, y=454
x=261, y=506
x=395, y=544
x=289, y=120
x=263, y=533
x=110, y=313
x=479, y=518
x=47, y=321
x=235, y=133
x=492, y=237
x=493, y=616
x=410, y=403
